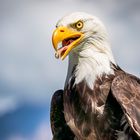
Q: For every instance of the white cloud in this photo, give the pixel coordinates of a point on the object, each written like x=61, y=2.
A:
x=42, y=133
x=7, y=104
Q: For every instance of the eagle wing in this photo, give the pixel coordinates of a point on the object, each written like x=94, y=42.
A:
x=126, y=89
x=60, y=129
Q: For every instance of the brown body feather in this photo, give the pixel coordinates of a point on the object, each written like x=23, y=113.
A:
x=108, y=112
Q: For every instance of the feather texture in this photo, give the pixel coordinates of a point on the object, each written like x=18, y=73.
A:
x=100, y=101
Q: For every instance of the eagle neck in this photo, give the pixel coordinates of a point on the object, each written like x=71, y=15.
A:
x=88, y=65
x=72, y=63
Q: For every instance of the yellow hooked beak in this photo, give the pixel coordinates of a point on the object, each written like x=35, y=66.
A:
x=69, y=39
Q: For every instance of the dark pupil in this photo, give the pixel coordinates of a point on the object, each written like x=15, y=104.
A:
x=79, y=24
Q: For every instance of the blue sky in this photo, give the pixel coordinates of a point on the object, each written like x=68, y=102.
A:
x=29, y=72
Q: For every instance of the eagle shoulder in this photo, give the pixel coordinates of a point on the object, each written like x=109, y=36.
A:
x=126, y=89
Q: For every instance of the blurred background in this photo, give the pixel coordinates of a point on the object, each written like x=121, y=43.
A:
x=29, y=72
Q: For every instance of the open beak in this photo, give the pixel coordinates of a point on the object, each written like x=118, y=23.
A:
x=68, y=38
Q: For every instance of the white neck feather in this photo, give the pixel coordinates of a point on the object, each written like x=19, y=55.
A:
x=91, y=61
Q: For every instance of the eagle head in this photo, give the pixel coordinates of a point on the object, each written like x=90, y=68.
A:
x=76, y=31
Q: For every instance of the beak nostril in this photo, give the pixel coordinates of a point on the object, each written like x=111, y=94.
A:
x=61, y=30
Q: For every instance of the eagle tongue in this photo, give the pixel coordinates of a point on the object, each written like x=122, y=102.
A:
x=61, y=51
x=67, y=42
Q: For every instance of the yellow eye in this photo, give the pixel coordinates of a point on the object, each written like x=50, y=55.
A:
x=79, y=25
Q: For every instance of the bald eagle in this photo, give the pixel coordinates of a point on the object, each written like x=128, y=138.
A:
x=100, y=101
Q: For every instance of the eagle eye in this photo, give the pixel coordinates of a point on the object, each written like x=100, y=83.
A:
x=79, y=25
